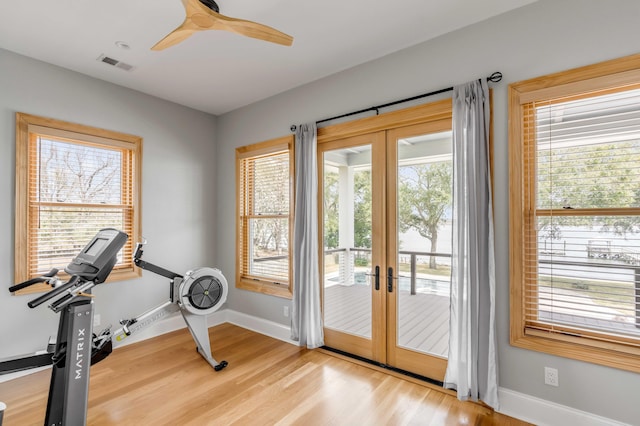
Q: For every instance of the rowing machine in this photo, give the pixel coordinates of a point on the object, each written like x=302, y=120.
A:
x=198, y=293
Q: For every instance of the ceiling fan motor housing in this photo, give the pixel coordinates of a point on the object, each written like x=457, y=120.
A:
x=211, y=5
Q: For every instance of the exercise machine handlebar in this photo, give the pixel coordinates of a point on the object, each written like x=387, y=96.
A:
x=137, y=253
x=137, y=259
x=53, y=293
x=44, y=278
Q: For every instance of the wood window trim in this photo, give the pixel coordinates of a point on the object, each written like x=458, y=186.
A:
x=577, y=82
x=244, y=281
x=26, y=125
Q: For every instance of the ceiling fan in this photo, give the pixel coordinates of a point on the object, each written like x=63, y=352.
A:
x=205, y=15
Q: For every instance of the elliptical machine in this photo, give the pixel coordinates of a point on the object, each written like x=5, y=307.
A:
x=72, y=356
x=197, y=294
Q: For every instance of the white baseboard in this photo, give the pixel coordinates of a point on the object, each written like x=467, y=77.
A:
x=262, y=326
x=546, y=413
x=515, y=404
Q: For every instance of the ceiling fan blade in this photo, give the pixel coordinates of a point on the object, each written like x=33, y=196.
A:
x=174, y=37
x=200, y=17
x=251, y=29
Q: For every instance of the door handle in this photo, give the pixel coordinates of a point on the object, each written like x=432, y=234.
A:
x=376, y=277
x=390, y=280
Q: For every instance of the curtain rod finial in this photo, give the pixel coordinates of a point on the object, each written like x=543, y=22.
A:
x=495, y=77
x=293, y=127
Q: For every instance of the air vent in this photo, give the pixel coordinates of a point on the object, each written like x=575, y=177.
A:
x=114, y=62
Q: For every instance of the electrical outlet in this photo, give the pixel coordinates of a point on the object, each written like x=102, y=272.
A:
x=96, y=320
x=551, y=376
x=285, y=311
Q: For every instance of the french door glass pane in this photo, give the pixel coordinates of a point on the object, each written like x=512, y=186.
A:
x=347, y=240
x=424, y=243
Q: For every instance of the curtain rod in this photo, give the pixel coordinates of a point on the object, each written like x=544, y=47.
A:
x=493, y=78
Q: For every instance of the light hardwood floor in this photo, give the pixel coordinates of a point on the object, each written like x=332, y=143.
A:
x=163, y=381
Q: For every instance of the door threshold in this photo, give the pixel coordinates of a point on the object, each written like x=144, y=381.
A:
x=397, y=372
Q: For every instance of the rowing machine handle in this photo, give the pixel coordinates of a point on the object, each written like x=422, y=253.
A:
x=137, y=253
x=33, y=281
x=53, y=293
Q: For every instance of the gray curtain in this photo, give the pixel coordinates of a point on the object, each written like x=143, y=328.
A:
x=472, y=365
x=306, y=317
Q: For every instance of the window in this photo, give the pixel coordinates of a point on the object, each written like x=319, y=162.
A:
x=71, y=181
x=575, y=213
x=265, y=214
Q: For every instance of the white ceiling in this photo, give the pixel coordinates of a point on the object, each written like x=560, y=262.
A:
x=218, y=71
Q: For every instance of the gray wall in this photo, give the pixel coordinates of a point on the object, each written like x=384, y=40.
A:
x=178, y=186
x=188, y=183
x=545, y=37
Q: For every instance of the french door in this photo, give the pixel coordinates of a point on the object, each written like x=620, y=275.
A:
x=386, y=262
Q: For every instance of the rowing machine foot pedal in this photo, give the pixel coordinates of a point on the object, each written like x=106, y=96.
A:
x=101, y=351
x=220, y=366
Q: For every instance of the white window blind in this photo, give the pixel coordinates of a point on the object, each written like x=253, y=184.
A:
x=582, y=236
x=76, y=189
x=265, y=217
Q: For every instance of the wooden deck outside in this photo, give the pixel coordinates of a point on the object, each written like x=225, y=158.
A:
x=423, y=318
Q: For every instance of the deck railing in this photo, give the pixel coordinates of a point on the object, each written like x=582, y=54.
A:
x=413, y=260
x=591, y=264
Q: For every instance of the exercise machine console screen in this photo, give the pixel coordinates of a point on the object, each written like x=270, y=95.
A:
x=98, y=258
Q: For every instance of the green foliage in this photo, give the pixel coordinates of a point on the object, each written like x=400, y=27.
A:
x=593, y=176
x=589, y=177
x=361, y=261
x=425, y=195
x=362, y=209
x=331, y=205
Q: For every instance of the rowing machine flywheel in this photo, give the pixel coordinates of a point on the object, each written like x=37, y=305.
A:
x=203, y=291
